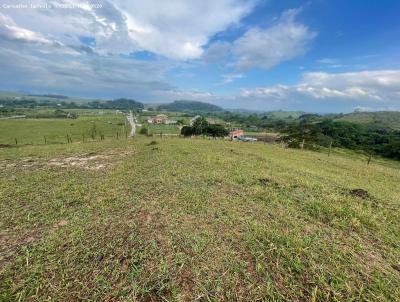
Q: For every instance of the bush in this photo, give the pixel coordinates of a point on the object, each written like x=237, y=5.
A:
x=144, y=131
x=216, y=131
x=187, y=131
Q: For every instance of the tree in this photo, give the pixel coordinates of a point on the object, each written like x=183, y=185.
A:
x=199, y=126
x=187, y=131
x=216, y=131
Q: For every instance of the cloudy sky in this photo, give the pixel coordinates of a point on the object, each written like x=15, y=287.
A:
x=317, y=56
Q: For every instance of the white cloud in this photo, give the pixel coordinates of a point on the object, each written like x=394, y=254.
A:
x=91, y=76
x=327, y=61
x=389, y=79
x=85, y=50
x=230, y=77
x=176, y=28
x=330, y=63
x=374, y=87
x=180, y=29
x=10, y=31
x=217, y=51
x=266, y=48
x=176, y=94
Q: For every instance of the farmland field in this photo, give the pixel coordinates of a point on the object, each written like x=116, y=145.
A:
x=163, y=129
x=176, y=219
x=34, y=131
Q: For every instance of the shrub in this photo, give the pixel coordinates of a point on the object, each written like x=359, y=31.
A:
x=187, y=131
x=216, y=131
x=144, y=131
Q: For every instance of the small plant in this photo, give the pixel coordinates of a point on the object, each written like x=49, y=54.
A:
x=144, y=131
x=93, y=131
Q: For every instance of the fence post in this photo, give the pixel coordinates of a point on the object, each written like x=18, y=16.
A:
x=330, y=148
x=16, y=141
x=83, y=138
x=369, y=158
x=45, y=141
x=302, y=144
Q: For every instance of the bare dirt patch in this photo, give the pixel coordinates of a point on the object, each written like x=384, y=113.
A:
x=86, y=161
x=264, y=181
x=360, y=193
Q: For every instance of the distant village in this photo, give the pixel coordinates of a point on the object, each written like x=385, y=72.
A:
x=160, y=119
x=234, y=134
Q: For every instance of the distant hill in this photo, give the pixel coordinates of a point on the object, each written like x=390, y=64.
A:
x=117, y=104
x=284, y=114
x=386, y=119
x=195, y=106
x=15, y=99
x=53, y=96
x=42, y=98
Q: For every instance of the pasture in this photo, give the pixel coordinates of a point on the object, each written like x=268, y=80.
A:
x=173, y=219
x=35, y=131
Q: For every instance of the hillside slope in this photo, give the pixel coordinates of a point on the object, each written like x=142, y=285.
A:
x=192, y=106
x=387, y=119
x=186, y=219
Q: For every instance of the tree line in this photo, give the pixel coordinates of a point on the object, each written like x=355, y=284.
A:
x=373, y=140
x=201, y=126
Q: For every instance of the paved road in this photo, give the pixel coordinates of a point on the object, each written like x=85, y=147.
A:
x=132, y=121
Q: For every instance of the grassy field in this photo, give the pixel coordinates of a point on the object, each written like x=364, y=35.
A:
x=164, y=129
x=33, y=131
x=176, y=219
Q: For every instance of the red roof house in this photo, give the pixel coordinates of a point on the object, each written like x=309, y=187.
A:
x=236, y=133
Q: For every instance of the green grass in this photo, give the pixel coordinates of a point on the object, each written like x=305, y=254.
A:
x=261, y=133
x=186, y=219
x=33, y=131
x=387, y=119
x=164, y=129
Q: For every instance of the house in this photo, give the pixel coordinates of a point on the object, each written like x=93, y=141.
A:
x=159, y=119
x=236, y=133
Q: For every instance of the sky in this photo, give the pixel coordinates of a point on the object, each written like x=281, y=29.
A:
x=315, y=56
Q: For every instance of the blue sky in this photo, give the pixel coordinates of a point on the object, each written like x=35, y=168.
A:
x=317, y=56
